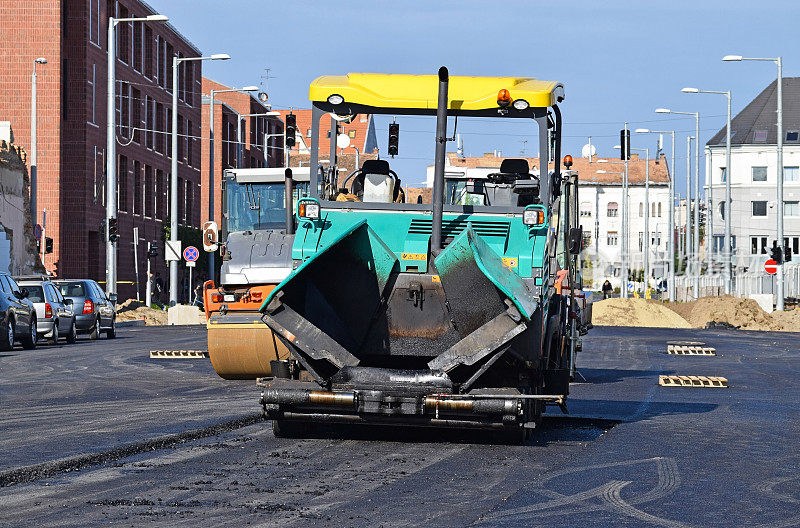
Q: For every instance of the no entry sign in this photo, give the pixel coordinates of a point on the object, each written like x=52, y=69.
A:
x=771, y=267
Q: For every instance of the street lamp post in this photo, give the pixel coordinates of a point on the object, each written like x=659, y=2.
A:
x=111, y=147
x=726, y=253
x=671, y=222
x=212, y=93
x=779, y=85
x=646, y=245
x=696, y=248
x=34, y=162
x=173, y=192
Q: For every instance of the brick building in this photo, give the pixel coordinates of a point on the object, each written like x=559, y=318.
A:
x=72, y=36
x=229, y=109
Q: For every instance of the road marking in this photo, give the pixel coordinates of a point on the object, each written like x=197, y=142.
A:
x=692, y=381
x=178, y=354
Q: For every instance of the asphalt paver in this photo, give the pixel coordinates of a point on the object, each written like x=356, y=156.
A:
x=630, y=453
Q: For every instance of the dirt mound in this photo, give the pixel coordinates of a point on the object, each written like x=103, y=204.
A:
x=743, y=313
x=132, y=310
x=635, y=312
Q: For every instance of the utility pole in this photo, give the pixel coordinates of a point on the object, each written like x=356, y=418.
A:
x=34, y=158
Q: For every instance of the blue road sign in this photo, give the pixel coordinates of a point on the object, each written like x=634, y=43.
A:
x=190, y=254
x=37, y=232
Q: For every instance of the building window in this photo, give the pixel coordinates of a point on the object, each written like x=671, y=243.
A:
x=160, y=193
x=159, y=133
x=760, y=136
x=308, y=133
x=169, y=133
x=613, y=209
x=149, y=206
x=723, y=174
x=124, y=37
x=759, y=208
x=136, y=111
x=792, y=136
x=148, y=51
x=613, y=238
x=659, y=209
x=641, y=209
x=137, y=188
x=122, y=183
x=352, y=134
x=586, y=209
x=190, y=141
x=655, y=239
x=722, y=209
x=137, y=47
x=791, y=208
x=641, y=240
x=181, y=139
x=189, y=203
x=181, y=200
x=92, y=82
x=791, y=174
x=587, y=239
x=168, y=66
x=758, y=245
x=759, y=174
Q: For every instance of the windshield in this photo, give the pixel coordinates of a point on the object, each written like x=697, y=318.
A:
x=35, y=294
x=456, y=194
x=255, y=206
x=72, y=289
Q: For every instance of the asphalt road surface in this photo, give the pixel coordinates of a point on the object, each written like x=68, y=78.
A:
x=631, y=453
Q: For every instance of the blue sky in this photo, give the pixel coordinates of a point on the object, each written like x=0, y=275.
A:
x=618, y=60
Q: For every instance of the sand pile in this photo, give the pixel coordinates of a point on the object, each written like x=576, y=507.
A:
x=132, y=310
x=744, y=313
x=635, y=312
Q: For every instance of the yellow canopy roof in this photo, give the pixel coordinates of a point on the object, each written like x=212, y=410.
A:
x=421, y=91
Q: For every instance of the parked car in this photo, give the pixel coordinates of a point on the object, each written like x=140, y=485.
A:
x=55, y=318
x=17, y=315
x=94, y=312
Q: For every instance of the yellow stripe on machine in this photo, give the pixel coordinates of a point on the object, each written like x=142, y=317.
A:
x=510, y=262
x=421, y=91
x=413, y=256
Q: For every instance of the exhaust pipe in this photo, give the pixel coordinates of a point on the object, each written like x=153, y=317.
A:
x=288, y=202
x=438, y=171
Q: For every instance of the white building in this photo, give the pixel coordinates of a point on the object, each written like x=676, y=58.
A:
x=754, y=174
x=600, y=209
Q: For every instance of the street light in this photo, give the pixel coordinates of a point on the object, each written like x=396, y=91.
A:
x=726, y=208
x=696, y=248
x=111, y=147
x=779, y=62
x=671, y=224
x=34, y=164
x=212, y=93
x=173, y=192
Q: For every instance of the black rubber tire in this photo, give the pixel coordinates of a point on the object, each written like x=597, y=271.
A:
x=7, y=336
x=54, y=339
x=95, y=333
x=112, y=332
x=289, y=429
x=72, y=336
x=29, y=341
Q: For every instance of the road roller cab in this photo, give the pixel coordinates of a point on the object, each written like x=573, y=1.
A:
x=449, y=313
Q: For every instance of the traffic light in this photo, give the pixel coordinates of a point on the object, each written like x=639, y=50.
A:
x=394, y=138
x=624, y=144
x=787, y=253
x=48, y=245
x=113, y=230
x=153, y=252
x=775, y=253
x=291, y=130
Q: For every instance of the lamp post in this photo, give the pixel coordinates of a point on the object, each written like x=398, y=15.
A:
x=173, y=192
x=34, y=163
x=671, y=223
x=726, y=208
x=212, y=93
x=623, y=290
x=696, y=244
x=779, y=85
x=111, y=147
x=239, y=134
x=646, y=245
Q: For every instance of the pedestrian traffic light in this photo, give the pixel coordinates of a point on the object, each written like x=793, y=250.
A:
x=775, y=253
x=291, y=130
x=394, y=138
x=113, y=230
x=787, y=253
x=48, y=245
x=624, y=144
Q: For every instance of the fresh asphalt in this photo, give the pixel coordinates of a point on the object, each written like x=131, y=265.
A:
x=631, y=453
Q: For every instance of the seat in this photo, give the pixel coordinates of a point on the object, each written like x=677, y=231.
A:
x=376, y=182
x=513, y=185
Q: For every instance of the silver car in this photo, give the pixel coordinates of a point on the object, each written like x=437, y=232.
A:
x=55, y=318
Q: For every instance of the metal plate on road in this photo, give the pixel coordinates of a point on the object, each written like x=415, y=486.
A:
x=178, y=354
x=190, y=254
x=172, y=250
x=771, y=267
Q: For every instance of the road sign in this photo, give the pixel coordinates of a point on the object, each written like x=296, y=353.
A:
x=190, y=254
x=37, y=232
x=210, y=235
x=172, y=250
x=190, y=263
x=771, y=267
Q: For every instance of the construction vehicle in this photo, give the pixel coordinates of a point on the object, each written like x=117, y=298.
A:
x=439, y=314
x=257, y=227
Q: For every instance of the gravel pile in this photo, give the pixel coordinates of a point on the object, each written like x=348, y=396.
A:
x=132, y=310
x=635, y=312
